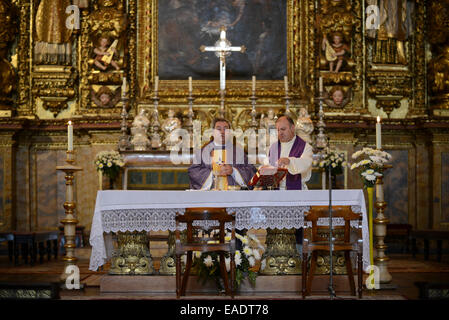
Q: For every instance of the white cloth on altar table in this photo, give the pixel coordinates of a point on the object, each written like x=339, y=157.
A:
x=138, y=210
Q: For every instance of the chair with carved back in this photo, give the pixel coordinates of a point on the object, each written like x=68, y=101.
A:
x=200, y=237
x=316, y=238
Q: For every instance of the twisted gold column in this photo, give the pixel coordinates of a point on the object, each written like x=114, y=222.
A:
x=70, y=220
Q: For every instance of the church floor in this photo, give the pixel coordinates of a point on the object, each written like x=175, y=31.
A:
x=405, y=270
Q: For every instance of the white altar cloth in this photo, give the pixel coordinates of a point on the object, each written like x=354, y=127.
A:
x=139, y=210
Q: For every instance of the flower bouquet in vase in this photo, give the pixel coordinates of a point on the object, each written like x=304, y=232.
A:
x=108, y=163
x=207, y=264
x=333, y=160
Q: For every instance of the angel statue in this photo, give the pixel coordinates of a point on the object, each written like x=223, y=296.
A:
x=304, y=125
x=269, y=124
x=139, y=130
x=168, y=126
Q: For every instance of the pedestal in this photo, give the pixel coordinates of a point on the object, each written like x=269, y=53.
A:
x=281, y=256
x=132, y=256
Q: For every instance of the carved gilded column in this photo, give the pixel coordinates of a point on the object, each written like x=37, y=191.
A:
x=8, y=21
x=438, y=66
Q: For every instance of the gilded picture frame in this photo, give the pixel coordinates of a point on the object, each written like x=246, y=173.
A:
x=299, y=63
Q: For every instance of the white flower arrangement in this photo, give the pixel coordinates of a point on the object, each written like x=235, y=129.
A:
x=336, y=160
x=109, y=162
x=207, y=264
x=372, y=166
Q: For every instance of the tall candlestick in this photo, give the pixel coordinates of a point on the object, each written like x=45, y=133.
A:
x=378, y=134
x=254, y=83
x=70, y=136
x=321, y=84
x=124, y=87
x=190, y=84
x=156, y=83
x=286, y=83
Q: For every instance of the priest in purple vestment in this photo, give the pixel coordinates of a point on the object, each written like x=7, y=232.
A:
x=293, y=153
x=236, y=168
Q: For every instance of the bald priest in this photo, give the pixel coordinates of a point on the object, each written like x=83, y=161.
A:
x=290, y=152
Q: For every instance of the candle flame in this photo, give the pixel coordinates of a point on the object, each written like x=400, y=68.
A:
x=378, y=119
x=70, y=123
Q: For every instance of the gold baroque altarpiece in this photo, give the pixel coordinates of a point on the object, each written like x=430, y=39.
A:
x=373, y=79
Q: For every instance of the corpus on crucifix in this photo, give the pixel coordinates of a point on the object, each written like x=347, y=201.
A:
x=223, y=49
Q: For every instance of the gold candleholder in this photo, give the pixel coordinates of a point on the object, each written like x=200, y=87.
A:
x=70, y=220
x=380, y=231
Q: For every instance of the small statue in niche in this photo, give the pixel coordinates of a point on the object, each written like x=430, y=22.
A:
x=337, y=98
x=269, y=124
x=105, y=53
x=335, y=51
x=105, y=97
x=139, y=130
x=168, y=126
x=304, y=125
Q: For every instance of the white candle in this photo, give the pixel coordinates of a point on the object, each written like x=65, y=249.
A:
x=321, y=84
x=254, y=83
x=378, y=134
x=70, y=136
x=286, y=83
x=124, y=87
x=190, y=84
x=156, y=83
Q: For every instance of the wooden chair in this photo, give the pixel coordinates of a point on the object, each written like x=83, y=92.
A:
x=315, y=240
x=195, y=243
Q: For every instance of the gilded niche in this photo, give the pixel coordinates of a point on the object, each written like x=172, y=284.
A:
x=336, y=23
x=107, y=49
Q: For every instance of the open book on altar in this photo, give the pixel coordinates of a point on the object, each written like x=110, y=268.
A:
x=268, y=177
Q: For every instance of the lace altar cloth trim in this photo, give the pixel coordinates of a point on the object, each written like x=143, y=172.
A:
x=164, y=219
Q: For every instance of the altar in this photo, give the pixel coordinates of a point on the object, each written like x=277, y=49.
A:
x=136, y=210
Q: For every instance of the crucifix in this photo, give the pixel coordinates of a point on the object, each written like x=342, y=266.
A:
x=223, y=49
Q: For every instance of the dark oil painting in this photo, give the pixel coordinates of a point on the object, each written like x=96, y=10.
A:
x=185, y=25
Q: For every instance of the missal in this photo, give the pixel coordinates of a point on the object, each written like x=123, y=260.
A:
x=268, y=177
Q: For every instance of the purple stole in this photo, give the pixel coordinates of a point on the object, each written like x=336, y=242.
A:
x=294, y=181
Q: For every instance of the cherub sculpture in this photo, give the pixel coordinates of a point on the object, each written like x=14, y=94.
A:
x=105, y=52
x=335, y=51
x=105, y=97
x=337, y=98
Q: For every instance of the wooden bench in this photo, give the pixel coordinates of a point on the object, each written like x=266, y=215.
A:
x=35, y=242
x=399, y=232
x=8, y=237
x=427, y=235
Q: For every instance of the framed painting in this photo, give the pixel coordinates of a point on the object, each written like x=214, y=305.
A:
x=184, y=26
x=170, y=33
